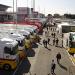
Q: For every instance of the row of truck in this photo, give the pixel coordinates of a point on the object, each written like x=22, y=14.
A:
x=15, y=41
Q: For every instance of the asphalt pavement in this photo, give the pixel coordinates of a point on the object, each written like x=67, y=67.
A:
x=44, y=58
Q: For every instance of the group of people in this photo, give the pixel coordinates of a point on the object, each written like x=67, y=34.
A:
x=47, y=39
x=45, y=42
x=55, y=42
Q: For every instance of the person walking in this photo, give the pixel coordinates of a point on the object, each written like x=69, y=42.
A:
x=58, y=56
x=44, y=43
x=47, y=28
x=57, y=42
x=54, y=35
x=54, y=41
x=45, y=33
x=51, y=29
x=48, y=40
x=53, y=66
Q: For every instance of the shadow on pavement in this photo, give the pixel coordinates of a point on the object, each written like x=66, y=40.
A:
x=63, y=67
x=31, y=53
x=24, y=67
x=59, y=46
x=34, y=45
x=48, y=48
x=40, y=43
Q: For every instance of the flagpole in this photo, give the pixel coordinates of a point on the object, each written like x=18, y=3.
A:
x=16, y=14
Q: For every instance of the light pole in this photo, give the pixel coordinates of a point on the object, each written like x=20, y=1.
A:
x=27, y=3
x=13, y=10
x=16, y=13
x=33, y=5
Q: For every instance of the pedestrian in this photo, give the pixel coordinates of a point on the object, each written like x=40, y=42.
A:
x=48, y=40
x=62, y=35
x=47, y=28
x=44, y=42
x=62, y=42
x=54, y=35
x=54, y=41
x=51, y=29
x=45, y=33
x=53, y=66
x=57, y=42
x=58, y=56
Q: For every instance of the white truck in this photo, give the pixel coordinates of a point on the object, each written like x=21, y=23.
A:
x=9, y=57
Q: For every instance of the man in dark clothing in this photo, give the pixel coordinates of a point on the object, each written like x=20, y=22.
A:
x=48, y=40
x=54, y=35
x=44, y=42
x=57, y=42
x=47, y=28
x=54, y=41
x=53, y=66
x=58, y=56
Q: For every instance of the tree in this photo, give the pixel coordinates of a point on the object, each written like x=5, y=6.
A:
x=70, y=16
x=56, y=15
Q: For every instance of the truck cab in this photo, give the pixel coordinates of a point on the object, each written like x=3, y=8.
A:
x=9, y=58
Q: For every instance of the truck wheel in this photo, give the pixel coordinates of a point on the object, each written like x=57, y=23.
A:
x=7, y=67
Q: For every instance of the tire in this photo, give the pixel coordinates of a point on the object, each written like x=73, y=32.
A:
x=7, y=67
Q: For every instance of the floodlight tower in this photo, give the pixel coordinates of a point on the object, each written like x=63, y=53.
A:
x=16, y=13
x=13, y=10
x=33, y=5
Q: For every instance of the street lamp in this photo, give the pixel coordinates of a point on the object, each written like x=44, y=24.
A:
x=13, y=10
x=16, y=13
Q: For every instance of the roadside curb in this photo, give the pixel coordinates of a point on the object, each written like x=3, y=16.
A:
x=71, y=58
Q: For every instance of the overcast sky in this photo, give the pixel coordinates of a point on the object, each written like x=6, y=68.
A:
x=46, y=6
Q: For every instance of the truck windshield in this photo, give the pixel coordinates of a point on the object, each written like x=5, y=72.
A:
x=7, y=50
x=14, y=50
